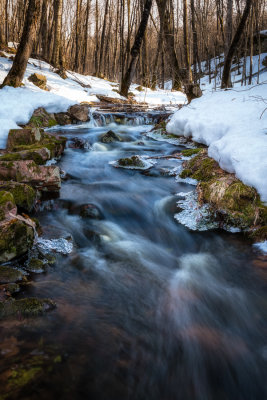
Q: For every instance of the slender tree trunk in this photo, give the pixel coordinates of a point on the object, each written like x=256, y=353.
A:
x=16, y=73
x=229, y=26
x=135, y=51
x=226, y=78
x=86, y=36
x=58, y=4
x=101, y=51
x=77, y=31
x=170, y=49
x=186, y=43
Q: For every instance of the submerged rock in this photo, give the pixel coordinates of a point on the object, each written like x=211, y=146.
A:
x=35, y=265
x=110, y=137
x=30, y=307
x=87, y=211
x=10, y=275
x=77, y=143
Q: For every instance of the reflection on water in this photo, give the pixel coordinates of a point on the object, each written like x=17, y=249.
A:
x=146, y=309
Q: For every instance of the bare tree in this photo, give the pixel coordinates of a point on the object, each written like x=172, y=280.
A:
x=16, y=73
x=128, y=77
x=226, y=78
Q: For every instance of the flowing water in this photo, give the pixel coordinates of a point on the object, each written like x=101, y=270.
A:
x=146, y=309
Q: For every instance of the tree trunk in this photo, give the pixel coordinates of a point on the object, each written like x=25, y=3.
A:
x=186, y=43
x=135, y=51
x=58, y=4
x=226, y=78
x=16, y=73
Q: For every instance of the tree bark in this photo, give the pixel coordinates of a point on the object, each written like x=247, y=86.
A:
x=16, y=73
x=226, y=78
x=58, y=5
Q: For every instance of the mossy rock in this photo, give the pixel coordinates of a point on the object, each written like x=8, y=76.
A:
x=10, y=275
x=191, y=152
x=7, y=204
x=202, y=168
x=36, y=266
x=24, y=195
x=23, y=137
x=236, y=203
x=39, y=155
x=110, y=137
x=133, y=161
x=42, y=119
x=29, y=307
x=16, y=238
x=139, y=88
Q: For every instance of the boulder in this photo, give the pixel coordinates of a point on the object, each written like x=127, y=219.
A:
x=134, y=161
x=40, y=177
x=110, y=137
x=16, y=238
x=38, y=80
x=7, y=205
x=63, y=118
x=24, y=195
x=38, y=155
x=233, y=202
x=77, y=143
x=87, y=211
x=42, y=119
x=79, y=112
x=22, y=137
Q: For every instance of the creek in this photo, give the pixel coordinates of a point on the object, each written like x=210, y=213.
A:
x=146, y=308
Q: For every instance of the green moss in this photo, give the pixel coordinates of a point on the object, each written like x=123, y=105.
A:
x=10, y=275
x=185, y=173
x=35, y=265
x=30, y=307
x=24, y=196
x=191, y=152
x=133, y=161
x=22, y=377
x=6, y=197
x=139, y=88
x=203, y=169
x=16, y=238
x=36, y=121
x=52, y=122
x=10, y=157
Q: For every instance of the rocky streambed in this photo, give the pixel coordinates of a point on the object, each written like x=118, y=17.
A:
x=138, y=299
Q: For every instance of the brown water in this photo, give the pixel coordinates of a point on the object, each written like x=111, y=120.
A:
x=146, y=309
